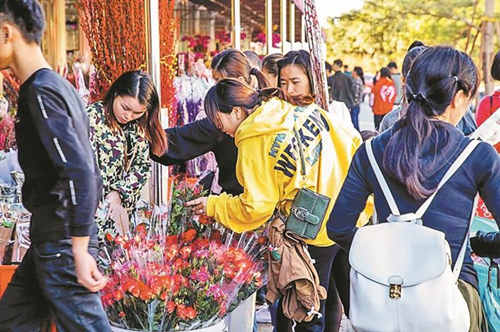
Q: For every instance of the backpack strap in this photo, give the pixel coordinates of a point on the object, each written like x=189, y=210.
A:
x=453, y=168
x=461, y=255
x=381, y=180
x=417, y=216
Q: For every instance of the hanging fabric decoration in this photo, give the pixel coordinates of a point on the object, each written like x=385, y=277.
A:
x=316, y=42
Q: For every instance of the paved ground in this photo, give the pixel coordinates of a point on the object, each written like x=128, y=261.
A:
x=265, y=328
x=366, y=117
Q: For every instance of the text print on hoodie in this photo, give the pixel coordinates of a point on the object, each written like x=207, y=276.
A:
x=268, y=161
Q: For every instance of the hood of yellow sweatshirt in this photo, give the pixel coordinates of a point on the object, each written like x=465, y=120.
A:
x=271, y=117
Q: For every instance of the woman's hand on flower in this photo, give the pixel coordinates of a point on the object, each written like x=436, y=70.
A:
x=118, y=213
x=199, y=205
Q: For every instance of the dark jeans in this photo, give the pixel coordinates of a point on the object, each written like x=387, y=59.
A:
x=324, y=257
x=45, y=284
x=355, y=116
x=378, y=119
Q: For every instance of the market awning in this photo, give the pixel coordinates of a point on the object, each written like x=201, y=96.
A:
x=253, y=12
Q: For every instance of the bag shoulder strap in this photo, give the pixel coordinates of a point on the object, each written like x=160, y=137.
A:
x=453, y=168
x=381, y=180
x=423, y=208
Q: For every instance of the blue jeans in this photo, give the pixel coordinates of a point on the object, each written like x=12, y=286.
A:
x=355, y=116
x=45, y=284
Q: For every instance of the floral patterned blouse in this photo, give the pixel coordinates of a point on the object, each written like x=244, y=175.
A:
x=127, y=175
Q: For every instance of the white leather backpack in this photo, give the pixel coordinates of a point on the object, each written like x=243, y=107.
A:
x=401, y=275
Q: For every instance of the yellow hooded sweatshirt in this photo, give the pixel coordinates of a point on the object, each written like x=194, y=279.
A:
x=268, y=165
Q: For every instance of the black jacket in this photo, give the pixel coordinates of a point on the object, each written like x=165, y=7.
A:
x=197, y=138
x=62, y=187
x=341, y=88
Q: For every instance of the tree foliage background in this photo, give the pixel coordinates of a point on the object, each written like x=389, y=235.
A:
x=382, y=30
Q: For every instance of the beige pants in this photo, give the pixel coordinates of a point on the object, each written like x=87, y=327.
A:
x=471, y=296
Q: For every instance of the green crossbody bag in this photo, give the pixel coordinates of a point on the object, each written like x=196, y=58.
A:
x=308, y=207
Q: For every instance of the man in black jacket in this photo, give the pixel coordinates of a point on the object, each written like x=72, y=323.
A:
x=58, y=274
x=341, y=86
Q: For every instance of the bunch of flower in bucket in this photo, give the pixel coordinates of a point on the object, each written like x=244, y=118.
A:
x=179, y=272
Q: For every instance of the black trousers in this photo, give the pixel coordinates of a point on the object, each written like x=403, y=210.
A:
x=45, y=283
x=324, y=258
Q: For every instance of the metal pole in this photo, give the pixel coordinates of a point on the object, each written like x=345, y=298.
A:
x=212, y=31
x=283, y=25
x=236, y=19
x=152, y=29
x=303, y=29
x=269, y=26
x=488, y=39
x=291, y=24
x=197, y=16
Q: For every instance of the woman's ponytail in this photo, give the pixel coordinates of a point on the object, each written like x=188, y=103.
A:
x=261, y=79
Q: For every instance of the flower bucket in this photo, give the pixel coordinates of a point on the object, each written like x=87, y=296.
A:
x=221, y=326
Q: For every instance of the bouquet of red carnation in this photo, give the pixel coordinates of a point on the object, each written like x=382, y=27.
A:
x=178, y=272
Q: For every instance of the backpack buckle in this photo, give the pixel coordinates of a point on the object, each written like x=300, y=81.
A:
x=395, y=289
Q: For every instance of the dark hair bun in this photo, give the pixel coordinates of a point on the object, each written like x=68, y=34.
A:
x=27, y=15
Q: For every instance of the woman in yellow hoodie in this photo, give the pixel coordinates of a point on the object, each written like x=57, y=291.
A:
x=268, y=164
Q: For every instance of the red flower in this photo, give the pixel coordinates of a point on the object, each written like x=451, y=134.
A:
x=141, y=229
x=205, y=220
x=171, y=239
x=170, y=306
x=171, y=252
x=201, y=243
x=121, y=314
x=215, y=236
x=189, y=235
x=185, y=252
x=109, y=237
x=186, y=313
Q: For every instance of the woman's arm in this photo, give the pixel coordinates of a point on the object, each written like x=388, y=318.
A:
x=256, y=205
x=131, y=184
x=350, y=202
x=189, y=141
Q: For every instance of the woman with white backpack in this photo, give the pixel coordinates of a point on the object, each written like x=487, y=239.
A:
x=413, y=271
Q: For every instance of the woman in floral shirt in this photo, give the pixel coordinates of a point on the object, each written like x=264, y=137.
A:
x=124, y=127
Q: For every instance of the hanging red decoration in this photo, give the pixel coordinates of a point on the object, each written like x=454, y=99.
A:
x=168, y=26
x=115, y=31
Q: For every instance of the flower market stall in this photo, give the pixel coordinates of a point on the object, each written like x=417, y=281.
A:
x=178, y=272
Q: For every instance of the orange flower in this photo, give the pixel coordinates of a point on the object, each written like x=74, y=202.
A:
x=118, y=295
x=189, y=235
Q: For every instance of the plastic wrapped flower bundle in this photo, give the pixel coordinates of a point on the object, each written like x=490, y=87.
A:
x=177, y=272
